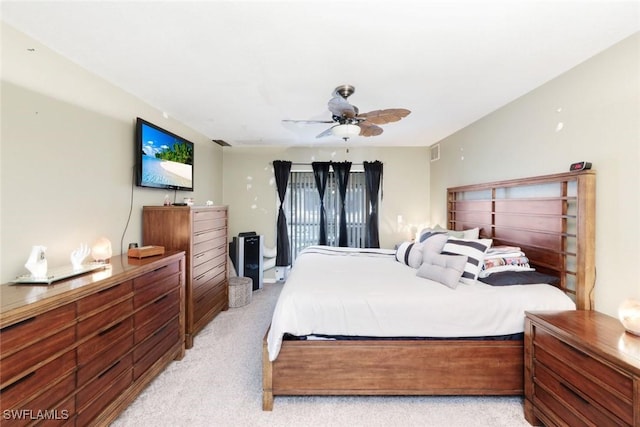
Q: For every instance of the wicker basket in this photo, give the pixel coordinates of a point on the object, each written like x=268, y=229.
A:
x=240, y=290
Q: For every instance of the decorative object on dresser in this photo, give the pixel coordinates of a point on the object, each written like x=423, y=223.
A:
x=82, y=349
x=145, y=251
x=629, y=315
x=201, y=232
x=581, y=368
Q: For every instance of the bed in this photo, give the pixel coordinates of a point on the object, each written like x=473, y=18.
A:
x=551, y=218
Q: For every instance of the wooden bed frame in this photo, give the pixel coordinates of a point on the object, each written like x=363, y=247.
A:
x=552, y=218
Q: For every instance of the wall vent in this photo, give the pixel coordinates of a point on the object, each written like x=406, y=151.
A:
x=221, y=142
x=435, y=152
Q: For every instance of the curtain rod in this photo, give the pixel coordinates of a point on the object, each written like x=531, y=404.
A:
x=309, y=164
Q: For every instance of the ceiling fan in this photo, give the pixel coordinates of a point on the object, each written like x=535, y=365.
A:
x=348, y=121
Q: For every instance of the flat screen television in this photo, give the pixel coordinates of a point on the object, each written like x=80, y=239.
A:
x=163, y=159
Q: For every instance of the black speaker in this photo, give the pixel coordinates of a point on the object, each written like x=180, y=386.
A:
x=248, y=258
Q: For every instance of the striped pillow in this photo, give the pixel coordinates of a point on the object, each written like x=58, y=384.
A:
x=410, y=253
x=474, y=249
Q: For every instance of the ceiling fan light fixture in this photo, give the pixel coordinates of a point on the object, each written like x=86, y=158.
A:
x=345, y=131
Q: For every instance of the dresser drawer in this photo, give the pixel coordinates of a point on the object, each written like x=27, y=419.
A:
x=59, y=414
x=33, y=355
x=217, y=261
x=214, y=297
x=563, y=399
x=35, y=328
x=103, y=360
x=169, y=329
x=98, y=385
x=610, y=402
x=215, y=243
x=106, y=396
x=103, y=297
x=206, y=256
x=153, y=316
x=101, y=320
x=148, y=359
x=208, y=235
x=571, y=356
x=154, y=276
x=37, y=381
x=161, y=287
x=103, y=340
x=207, y=215
x=63, y=415
x=209, y=224
x=204, y=280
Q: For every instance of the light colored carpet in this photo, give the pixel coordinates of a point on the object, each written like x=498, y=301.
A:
x=219, y=383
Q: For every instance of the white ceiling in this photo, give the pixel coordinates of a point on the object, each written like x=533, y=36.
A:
x=233, y=70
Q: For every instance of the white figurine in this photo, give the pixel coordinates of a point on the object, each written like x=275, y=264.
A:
x=37, y=262
x=78, y=255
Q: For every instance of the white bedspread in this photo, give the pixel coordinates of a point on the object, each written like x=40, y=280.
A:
x=342, y=291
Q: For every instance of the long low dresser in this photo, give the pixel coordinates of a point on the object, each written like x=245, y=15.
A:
x=79, y=351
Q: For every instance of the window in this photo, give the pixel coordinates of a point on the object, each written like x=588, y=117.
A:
x=302, y=208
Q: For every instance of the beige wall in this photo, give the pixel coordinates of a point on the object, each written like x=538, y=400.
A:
x=598, y=105
x=67, y=155
x=250, y=191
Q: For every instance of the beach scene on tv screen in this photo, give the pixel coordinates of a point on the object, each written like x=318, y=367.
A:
x=166, y=160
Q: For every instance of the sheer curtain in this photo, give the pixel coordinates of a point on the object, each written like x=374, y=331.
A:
x=281, y=169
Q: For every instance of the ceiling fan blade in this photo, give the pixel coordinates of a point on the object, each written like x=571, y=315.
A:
x=381, y=117
x=341, y=108
x=307, y=121
x=325, y=133
x=369, y=129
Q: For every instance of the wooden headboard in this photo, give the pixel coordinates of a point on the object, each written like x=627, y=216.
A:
x=551, y=217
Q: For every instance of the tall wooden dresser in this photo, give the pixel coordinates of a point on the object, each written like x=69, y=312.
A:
x=201, y=232
x=78, y=351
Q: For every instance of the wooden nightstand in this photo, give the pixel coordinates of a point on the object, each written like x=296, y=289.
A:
x=581, y=368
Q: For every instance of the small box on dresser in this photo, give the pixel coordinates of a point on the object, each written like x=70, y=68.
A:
x=581, y=368
x=201, y=232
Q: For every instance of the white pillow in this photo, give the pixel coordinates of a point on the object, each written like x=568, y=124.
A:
x=445, y=269
x=474, y=249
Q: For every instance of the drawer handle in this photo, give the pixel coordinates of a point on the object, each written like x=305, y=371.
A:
x=199, y=256
x=22, y=322
x=109, y=329
x=23, y=379
x=108, y=369
x=161, y=298
x=160, y=268
x=160, y=330
x=570, y=390
x=109, y=289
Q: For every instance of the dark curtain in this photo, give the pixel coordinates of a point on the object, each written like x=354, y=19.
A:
x=341, y=169
x=281, y=169
x=372, y=176
x=321, y=173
